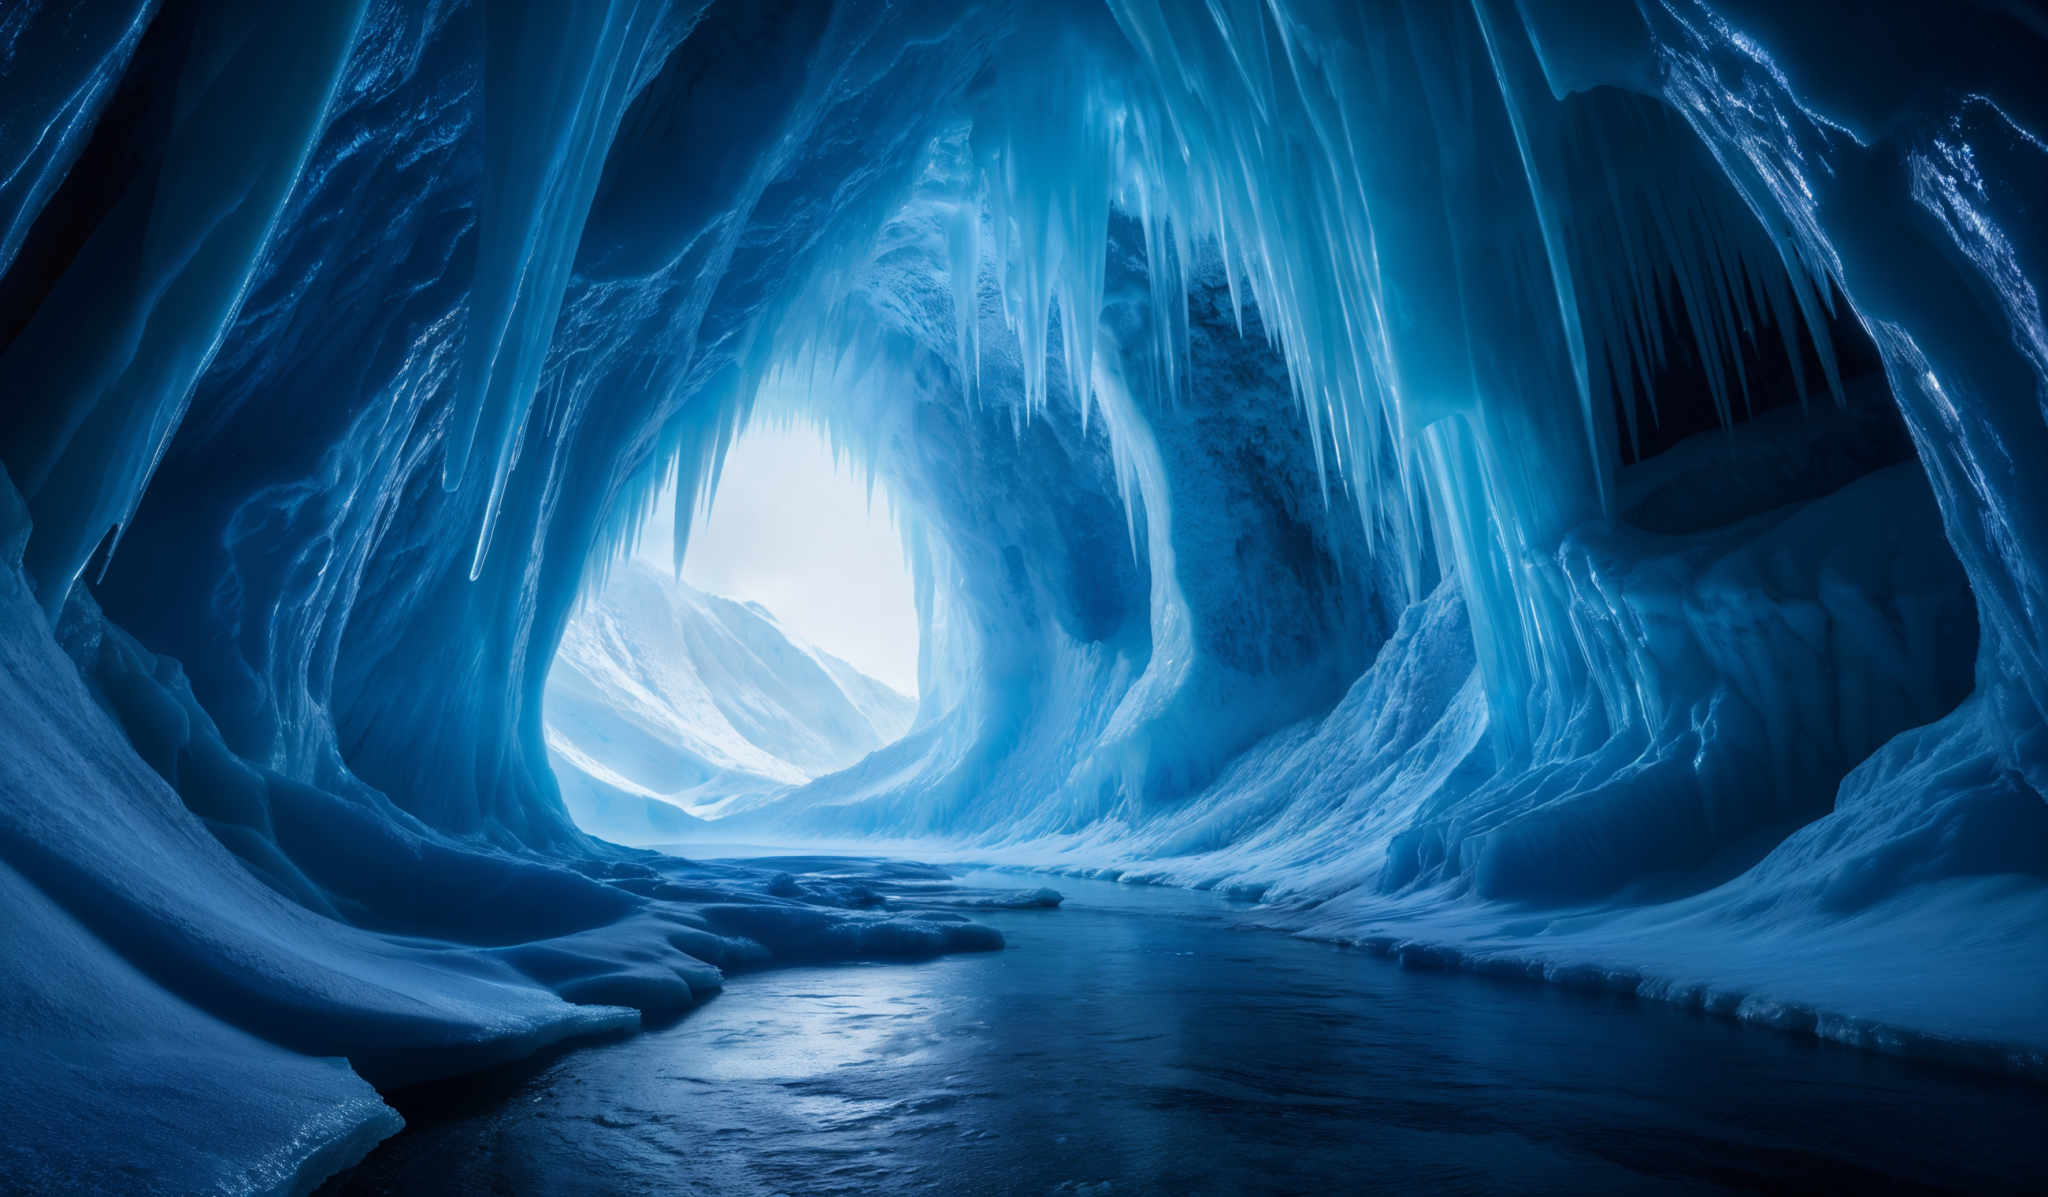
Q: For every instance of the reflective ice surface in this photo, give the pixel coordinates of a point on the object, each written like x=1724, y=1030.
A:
x=1140, y=1040
x=1552, y=481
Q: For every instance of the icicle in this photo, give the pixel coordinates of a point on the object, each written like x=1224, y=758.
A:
x=554, y=91
x=964, y=251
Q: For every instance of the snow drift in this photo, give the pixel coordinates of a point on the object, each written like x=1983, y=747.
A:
x=1544, y=485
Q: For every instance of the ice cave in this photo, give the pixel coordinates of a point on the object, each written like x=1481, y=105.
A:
x=1469, y=601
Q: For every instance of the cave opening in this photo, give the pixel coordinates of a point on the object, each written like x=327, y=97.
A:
x=1509, y=491
x=761, y=631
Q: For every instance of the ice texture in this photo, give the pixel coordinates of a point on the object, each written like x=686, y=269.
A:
x=1549, y=486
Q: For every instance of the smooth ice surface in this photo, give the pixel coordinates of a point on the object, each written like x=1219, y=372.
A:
x=1547, y=486
x=1136, y=1041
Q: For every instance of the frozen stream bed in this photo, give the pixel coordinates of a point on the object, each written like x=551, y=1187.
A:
x=1140, y=1040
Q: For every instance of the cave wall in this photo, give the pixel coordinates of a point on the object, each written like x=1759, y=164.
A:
x=1255, y=377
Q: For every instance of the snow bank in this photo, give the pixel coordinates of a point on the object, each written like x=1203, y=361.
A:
x=1274, y=394
x=222, y=962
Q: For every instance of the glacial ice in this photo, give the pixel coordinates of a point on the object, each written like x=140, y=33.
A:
x=1544, y=486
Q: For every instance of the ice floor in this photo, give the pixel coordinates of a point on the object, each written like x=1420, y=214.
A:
x=1144, y=1040
x=1537, y=487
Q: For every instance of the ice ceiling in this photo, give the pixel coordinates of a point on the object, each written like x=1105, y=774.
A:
x=1544, y=485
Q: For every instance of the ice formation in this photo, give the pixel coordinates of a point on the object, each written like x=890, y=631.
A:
x=1549, y=485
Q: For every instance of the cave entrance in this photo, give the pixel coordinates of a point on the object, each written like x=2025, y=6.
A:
x=787, y=650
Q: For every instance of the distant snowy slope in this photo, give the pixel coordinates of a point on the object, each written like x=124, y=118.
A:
x=665, y=692
x=888, y=711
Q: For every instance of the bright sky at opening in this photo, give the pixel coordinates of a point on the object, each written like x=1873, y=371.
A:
x=794, y=532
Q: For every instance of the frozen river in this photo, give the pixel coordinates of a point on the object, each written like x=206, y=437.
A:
x=1137, y=1041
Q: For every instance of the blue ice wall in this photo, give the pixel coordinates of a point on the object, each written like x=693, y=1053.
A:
x=1414, y=460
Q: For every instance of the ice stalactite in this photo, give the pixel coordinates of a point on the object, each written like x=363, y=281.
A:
x=59, y=96
x=117, y=346
x=1518, y=241
x=1404, y=460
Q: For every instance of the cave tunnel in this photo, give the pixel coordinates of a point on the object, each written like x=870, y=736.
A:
x=1547, y=489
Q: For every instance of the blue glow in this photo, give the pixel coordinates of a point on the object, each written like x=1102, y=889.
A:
x=1468, y=476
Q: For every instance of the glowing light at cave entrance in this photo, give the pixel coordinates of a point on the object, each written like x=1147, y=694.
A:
x=788, y=651
x=797, y=532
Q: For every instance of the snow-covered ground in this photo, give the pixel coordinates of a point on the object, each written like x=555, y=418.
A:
x=1405, y=461
x=224, y=974
x=663, y=693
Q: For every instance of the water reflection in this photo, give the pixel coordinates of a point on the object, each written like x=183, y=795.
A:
x=1134, y=1041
